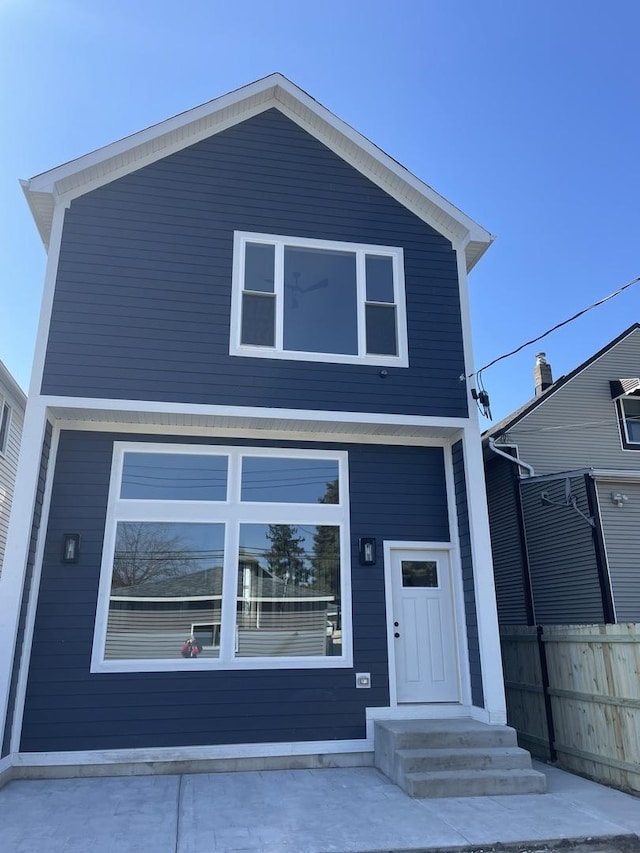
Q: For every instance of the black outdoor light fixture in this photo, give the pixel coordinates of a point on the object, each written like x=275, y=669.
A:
x=367, y=550
x=71, y=547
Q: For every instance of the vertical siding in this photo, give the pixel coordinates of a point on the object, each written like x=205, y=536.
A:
x=621, y=528
x=26, y=592
x=584, y=419
x=142, y=302
x=562, y=556
x=397, y=493
x=477, y=693
x=506, y=541
x=8, y=466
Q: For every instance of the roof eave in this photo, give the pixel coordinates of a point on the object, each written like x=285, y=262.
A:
x=85, y=173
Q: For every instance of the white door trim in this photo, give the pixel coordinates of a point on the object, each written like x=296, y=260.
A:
x=388, y=547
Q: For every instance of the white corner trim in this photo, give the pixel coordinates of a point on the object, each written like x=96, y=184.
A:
x=189, y=753
x=17, y=545
x=30, y=621
x=484, y=584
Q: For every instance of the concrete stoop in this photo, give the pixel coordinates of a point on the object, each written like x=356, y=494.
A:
x=454, y=758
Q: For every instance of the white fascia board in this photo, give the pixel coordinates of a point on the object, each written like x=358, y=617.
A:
x=13, y=390
x=90, y=404
x=83, y=174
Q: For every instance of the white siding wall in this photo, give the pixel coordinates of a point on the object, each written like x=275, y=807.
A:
x=577, y=427
x=9, y=459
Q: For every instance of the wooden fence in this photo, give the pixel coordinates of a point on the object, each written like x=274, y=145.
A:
x=573, y=694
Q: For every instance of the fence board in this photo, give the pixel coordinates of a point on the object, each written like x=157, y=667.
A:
x=594, y=689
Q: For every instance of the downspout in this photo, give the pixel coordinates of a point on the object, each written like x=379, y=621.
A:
x=514, y=459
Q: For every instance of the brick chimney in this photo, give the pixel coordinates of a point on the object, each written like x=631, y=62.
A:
x=542, y=377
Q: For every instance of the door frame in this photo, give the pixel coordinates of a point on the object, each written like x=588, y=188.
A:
x=457, y=596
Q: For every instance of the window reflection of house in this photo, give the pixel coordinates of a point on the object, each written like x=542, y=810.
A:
x=274, y=615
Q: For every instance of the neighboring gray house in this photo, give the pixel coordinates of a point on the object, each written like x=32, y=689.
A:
x=12, y=406
x=564, y=510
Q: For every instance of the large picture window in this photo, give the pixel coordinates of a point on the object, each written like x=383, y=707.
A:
x=318, y=300
x=224, y=558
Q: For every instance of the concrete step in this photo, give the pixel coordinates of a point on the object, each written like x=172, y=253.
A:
x=444, y=734
x=472, y=758
x=473, y=783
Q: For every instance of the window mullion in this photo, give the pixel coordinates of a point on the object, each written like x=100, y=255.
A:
x=278, y=288
x=229, y=586
x=361, y=290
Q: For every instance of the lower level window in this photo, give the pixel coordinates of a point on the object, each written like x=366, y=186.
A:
x=232, y=582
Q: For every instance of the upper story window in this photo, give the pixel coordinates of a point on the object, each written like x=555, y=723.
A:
x=317, y=300
x=630, y=422
x=5, y=423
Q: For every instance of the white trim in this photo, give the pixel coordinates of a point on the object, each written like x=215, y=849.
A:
x=388, y=546
x=484, y=585
x=231, y=513
x=359, y=250
x=17, y=545
x=12, y=389
x=110, y=162
x=4, y=435
x=263, y=413
x=189, y=753
x=42, y=335
x=30, y=620
x=215, y=433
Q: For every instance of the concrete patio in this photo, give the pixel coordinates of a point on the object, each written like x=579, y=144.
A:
x=348, y=810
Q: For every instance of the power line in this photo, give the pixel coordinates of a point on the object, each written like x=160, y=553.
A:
x=617, y=292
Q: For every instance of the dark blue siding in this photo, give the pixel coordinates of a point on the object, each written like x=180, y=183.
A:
x=466, y=559
x=396, y=493
x=142, y=303
x=26, y=591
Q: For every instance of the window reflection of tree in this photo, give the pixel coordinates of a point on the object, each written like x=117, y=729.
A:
x=147, y=552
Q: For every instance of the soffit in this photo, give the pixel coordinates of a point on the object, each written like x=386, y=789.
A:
x=113, y=161
x=281, y=427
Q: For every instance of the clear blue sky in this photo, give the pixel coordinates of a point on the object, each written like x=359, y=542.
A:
x=523, y=113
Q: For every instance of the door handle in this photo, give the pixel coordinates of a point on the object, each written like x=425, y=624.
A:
x=396, y=624
x=396, y=635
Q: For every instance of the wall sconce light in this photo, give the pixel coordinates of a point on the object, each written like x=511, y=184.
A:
x=618, y=498
x=367, y=550
x=71, y=548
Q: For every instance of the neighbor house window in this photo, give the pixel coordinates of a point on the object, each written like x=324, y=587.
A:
x=318, y=300
x=630, y=421
x=220, y=557
x=5, y=423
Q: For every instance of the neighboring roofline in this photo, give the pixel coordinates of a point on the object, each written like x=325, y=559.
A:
x=517, y=415
x=12, y=386
x=83, y=174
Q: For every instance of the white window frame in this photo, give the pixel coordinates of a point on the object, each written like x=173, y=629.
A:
x=232, y=513
x=236, y=347
x=627, y=442
x=4, y=436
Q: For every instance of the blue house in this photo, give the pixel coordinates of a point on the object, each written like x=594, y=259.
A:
x=250, y=519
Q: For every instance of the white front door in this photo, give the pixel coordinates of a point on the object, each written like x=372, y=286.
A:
x=424, y=630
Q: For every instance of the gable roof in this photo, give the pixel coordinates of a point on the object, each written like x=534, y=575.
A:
x=86, y=173
x=511, y=420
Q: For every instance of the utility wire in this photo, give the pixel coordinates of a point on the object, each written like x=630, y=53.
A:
x=617, y=292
